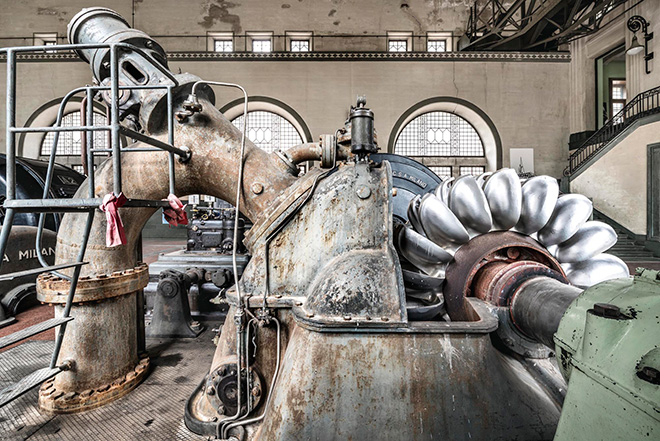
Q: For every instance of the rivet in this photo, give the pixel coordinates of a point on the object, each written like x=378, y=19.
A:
x=257, y=188
x=309, y=314
x=394, y=192
x=385, y=319
x=364, y=192
x=347, y=317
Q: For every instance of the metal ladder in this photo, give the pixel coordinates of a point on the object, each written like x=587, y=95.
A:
x=90, y=204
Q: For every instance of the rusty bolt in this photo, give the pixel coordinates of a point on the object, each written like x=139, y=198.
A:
x=210, y=390
x=385, y=319
x=513, y=253
x=394, y=192
x=257, y=188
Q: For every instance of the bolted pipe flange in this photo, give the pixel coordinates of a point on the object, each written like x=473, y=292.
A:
x=54, y=401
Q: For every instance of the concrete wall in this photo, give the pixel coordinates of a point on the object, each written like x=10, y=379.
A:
x=196, y=17
x=617, y=181
x=527, y=101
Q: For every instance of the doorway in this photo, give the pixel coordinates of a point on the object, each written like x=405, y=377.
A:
x=653, y=193
x=611, y=94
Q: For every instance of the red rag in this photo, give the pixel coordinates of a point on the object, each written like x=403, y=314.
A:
x=176, y=215
x=114, y=233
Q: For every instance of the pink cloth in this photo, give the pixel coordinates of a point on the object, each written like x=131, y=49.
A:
x=114, y=233
x=176, y=215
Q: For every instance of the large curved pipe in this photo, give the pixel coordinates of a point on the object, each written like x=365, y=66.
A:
x=102, y=340
x=213, y=170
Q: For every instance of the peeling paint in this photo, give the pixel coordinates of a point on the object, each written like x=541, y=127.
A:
x=61, y=15
x=218, y=11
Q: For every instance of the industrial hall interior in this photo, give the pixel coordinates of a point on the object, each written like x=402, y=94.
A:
x=330, y=220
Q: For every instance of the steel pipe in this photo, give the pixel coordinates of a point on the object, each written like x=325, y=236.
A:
x=538, y=306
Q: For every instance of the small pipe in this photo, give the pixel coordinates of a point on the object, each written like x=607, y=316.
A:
x=83, y=134
x=114, y=121
x=270, y=389
x=310, y=151
x=538, y=306
x=72, y=288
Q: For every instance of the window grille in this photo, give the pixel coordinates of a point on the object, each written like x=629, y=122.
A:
x=442, y=171
x=223, y=45
x=269, y=130
x=397, y=45
x=299, y=45
x=68, y=143
x=472, y=170
x=436, y=46
x=261, y=46
x=439, y=134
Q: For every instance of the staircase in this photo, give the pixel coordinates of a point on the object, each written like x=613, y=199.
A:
x=645, y=104
x=626, y=248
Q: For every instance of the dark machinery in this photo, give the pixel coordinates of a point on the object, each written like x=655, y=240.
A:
x=319, y=341
x=200, y=273
x=19, y=294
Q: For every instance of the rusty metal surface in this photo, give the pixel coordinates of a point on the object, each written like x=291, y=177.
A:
x=53, y=400
x=348, y=269
x=484, y=249
x=403, y=387
x=52, y=289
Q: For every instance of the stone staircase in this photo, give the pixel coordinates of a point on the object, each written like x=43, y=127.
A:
x=626, y=248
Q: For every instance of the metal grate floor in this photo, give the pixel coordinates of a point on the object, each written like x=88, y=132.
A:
x=153, y=411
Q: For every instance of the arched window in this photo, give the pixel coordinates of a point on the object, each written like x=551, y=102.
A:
x=445, y=142
x=269, y=131
x=69, y=143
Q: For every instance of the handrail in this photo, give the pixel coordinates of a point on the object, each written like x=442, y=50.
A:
x=644, y=104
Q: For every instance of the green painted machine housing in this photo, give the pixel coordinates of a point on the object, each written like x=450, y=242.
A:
x=610, y=356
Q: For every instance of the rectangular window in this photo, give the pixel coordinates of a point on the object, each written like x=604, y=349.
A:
x=220, y=41
x=299, y=45
x=618, y=98
x=261, y=42
x=436, y=45
x=399, y=41
x=45, y=39
x=298, y=41
x=439, y=41
x=397, y=46
x=261, y=46
x=223, y=45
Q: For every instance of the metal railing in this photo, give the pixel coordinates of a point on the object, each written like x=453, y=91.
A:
x=645, y=104
x=13, y=205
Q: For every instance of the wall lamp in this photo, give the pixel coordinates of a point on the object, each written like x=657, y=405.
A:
x=636, y=23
